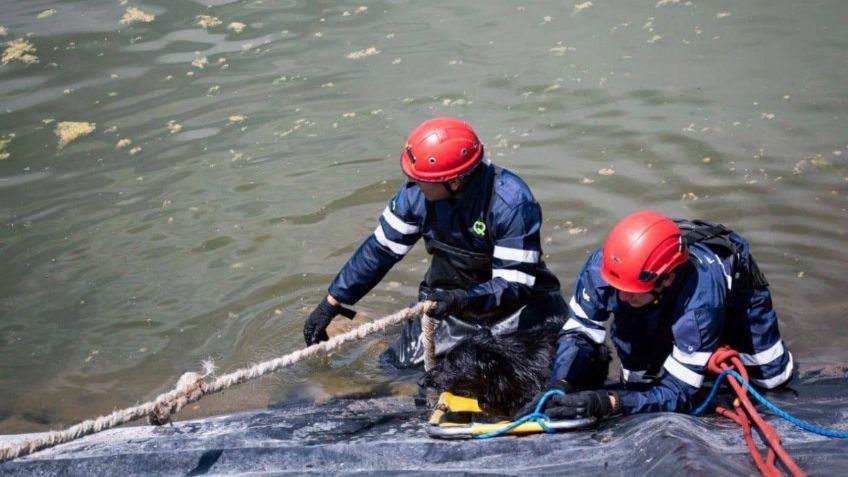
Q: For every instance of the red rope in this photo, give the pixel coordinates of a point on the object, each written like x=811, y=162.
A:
x=746, y=416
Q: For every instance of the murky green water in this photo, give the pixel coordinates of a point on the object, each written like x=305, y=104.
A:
x=230, y=174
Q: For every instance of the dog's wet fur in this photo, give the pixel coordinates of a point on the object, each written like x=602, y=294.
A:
x=503, y=372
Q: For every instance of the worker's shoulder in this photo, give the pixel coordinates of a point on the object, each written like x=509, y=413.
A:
x=512, y=190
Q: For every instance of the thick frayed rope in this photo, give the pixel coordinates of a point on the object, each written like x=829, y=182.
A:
x=193, y=386
x=428, y=332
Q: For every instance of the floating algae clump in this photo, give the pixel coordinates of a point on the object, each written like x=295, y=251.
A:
x=4, y=142
x=580, y=7
x=237, y=27
x=207, y=21
x=134, y=15
x=19, y=50
x=68, y=131
x=363, y=53
x=200, y=62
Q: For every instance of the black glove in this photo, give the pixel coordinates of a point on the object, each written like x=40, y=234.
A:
x=315, y=328
x=583, y=404
x=448, y=302
x=561, y=385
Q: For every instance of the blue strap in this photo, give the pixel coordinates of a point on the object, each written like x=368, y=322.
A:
x=536, y=416
x=780, y=412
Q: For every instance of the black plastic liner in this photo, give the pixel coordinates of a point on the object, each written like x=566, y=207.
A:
x=387, y=436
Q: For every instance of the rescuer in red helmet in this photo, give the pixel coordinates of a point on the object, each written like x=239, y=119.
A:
x=677, y=290
x=481, y=225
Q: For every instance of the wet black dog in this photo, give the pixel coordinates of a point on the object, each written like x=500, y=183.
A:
x=503, y=372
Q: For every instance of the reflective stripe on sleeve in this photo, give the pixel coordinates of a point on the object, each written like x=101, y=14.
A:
x=779, y=379
x=516, y=254
x=396, y=223
x=595, y=335
x=683, y=373
x=514, y=276
x=577, y=309
x=398, y=248
x=631, y=376
x=763, y=357
x=698, y=358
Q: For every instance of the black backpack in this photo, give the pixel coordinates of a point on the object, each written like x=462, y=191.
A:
x=717, y=238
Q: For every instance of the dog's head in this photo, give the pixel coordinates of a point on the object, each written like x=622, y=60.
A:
x=501, y=372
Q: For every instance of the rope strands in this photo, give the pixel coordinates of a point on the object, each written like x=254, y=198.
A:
x=428, y=342
x=428, y=330
x=191, y=387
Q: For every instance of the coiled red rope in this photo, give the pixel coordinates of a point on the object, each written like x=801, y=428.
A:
x=744, y=414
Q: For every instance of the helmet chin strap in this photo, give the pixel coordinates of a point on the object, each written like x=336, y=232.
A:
x=657, y=292
x=656, y=295
x=451, y=193
x=460, y=180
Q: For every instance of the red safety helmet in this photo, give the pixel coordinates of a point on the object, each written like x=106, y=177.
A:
x=440, y=150
x=641, y=250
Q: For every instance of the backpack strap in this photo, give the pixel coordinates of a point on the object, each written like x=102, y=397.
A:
x=710, y=234
x=717, y=238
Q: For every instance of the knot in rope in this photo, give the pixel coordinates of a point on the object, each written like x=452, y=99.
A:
x=725, y=358
x=190, y=388
x=426, y=307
